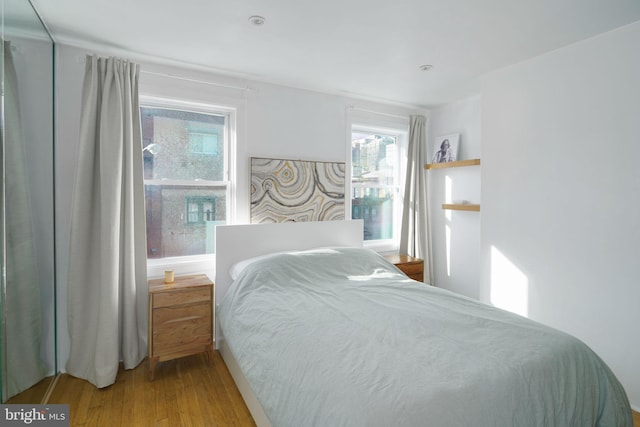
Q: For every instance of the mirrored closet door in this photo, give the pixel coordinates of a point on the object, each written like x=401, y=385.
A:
x=27, y=300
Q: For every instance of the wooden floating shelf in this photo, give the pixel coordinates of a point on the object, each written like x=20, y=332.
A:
x=456, y=164
x=461, y=207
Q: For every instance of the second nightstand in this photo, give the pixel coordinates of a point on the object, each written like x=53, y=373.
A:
x=412, y=267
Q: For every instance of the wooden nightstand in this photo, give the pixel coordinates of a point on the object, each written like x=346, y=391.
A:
x=181, y=319
x=412, y=267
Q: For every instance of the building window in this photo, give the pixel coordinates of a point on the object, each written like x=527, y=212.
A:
x=200, y=209
x=375, y=185
x=202, y=142
x=186, y=185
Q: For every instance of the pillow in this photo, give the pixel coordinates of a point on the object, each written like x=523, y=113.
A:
x=239, y=266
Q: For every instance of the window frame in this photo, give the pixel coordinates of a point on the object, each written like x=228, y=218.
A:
x=201, y=262
x=401, y=135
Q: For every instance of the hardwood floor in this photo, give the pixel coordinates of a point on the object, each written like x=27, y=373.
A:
x=34, y=394
x=185, y=392
x=636, y=419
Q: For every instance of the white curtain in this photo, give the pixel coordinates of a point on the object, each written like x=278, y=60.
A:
x=107, y=289
x=415, y=239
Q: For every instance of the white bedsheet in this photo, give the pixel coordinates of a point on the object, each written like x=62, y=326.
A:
x=339, y=337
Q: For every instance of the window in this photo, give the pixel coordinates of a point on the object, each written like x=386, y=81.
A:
x=186, y=185
x=375, y=189
x=202, y=142
x=200, y=209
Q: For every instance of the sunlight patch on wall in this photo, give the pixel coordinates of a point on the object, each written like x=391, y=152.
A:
x=448, y=191
x=509, y=285
x=448, y=195
x=448, y=248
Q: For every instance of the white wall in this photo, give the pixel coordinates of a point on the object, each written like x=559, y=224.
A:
x=456, y=234
x=272, y=121
x=561, y=193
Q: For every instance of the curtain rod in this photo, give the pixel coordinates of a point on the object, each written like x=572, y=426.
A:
x=196, y=80
x=353, y=108
x=82, y=59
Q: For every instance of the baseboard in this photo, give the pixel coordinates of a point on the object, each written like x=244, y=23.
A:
x=52, y=385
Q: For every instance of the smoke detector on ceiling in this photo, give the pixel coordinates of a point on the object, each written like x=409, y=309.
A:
x=257, y=20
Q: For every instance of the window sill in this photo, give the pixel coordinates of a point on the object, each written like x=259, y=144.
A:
x=205, y=264
x=381, y=246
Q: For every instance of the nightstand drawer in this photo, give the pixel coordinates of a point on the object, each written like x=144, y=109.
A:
x=411, y=269
x=178, y=328
x=166, y=317
x=418, y=276
x=169, y=299
x=411, y=266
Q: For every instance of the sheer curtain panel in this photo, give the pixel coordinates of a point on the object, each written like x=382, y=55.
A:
x=107, y=289
x=415, y=239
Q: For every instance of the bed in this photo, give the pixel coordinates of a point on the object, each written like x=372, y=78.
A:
x=318, y=331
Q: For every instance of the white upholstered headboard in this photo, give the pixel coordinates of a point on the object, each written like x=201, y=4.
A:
x=237, y=242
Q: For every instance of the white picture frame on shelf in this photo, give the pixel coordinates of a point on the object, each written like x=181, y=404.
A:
x=446, y=148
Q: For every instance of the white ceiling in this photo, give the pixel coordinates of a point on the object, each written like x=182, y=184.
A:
x=360, y=48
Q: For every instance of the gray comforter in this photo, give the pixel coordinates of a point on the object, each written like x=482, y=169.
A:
x=339, y=337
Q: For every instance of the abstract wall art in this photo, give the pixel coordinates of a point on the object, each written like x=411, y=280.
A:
x=296, y=190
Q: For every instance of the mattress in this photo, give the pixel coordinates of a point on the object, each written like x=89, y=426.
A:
x=340, y=337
